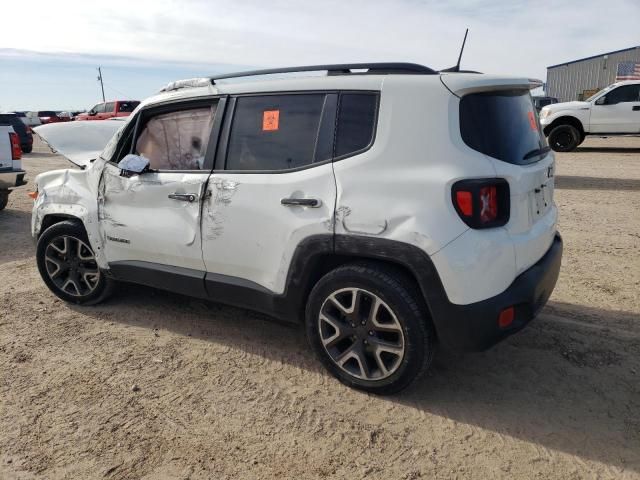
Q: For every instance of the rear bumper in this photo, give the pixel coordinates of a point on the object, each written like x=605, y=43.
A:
x=474, y=327
x=12, y=178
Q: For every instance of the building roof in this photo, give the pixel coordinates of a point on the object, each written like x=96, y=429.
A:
x=593, y=56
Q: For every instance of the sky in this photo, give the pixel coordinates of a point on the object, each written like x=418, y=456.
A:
x=50, y=50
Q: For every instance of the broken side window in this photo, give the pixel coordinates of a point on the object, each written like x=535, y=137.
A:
x=176, y=140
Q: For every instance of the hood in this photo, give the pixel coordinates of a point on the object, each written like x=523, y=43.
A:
x=556, y=107
x=79, y=142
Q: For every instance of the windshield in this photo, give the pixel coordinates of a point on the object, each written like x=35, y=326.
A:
x=605, y=89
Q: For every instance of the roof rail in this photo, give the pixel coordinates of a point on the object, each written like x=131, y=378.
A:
x=338, y=69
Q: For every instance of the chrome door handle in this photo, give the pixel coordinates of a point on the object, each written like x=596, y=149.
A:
x=301, y=202
x=185, y=197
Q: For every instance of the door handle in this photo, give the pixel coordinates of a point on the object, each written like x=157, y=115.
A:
x=301, y=202
x=184, y=197
x=636, y=108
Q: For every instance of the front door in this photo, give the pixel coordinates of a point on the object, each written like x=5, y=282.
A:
x=272, y=188
x=151, y=222
x=619, y=112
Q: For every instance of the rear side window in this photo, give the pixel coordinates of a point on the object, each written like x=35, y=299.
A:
x=356, y=122
x=127, y=107
x=275, y=132
x=502, y=124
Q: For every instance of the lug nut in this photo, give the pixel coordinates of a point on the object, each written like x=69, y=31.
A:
x=353, y=325
x=371, y=332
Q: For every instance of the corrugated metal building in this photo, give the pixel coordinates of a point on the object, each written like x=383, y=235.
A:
x=579, y=79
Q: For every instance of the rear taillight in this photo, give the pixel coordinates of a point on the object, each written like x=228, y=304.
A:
x=16, y=151
x=482, y=203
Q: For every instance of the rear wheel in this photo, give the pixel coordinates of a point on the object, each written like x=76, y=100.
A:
x=67, y=264
x=369, y=327
x=564, y=138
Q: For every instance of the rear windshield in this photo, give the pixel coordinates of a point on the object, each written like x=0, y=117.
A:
x=127, y=106
x=503, y=125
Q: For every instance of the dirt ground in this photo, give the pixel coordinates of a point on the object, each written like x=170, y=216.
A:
x=158, y=386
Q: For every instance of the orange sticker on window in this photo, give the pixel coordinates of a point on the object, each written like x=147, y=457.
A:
x=532, y=121
x=270, y=120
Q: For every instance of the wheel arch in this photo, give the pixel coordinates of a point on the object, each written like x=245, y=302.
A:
x=317, y=257
x=53, y=218
x=564, y=120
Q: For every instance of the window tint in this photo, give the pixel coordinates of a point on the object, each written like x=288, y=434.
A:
x=109, y=107
x=626, y=93
x=127, y=106
x=275, y=132
x=99, y=108
x=47, y=113
x=501, y=124
x=356, y=122
x=176, y=140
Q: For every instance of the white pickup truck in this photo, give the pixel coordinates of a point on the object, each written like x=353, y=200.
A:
x=11, y=173
x=614, y=110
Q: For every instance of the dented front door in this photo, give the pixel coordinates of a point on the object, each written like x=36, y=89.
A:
x=153, y=217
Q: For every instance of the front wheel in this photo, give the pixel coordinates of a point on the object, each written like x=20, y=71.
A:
x=564, y=138
x=67, y=264
x=369, y=327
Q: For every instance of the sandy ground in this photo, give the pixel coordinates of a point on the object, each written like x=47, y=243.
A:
x=154, y=385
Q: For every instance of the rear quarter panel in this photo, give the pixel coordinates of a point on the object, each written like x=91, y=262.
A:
x=400, y=189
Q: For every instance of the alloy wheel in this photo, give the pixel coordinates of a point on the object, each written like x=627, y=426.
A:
x=361, y=334
x=71, y=266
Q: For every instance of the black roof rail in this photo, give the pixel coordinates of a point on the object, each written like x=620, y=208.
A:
x=338, y=69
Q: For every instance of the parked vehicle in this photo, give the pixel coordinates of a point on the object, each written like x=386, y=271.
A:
x=386, y=209
x=31, y=119
x=614, y=110
x=49, y=116
x=117, y=108
x=540, y=102
x=11, y=173
x=23, y=131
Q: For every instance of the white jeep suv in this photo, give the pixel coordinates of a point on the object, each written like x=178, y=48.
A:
x=614, y=110
x=388, y=209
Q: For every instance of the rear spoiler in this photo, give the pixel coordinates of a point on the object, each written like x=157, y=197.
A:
x=464, y=83
x=80, y=142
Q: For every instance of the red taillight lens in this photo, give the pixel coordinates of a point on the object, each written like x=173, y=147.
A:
x=482, y=203
x=16, y=151
x=464, y=201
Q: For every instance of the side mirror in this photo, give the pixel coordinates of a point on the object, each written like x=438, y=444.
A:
x=133, y=165
x=602, y=100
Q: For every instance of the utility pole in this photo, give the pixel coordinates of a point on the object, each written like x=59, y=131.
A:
x=101, y=84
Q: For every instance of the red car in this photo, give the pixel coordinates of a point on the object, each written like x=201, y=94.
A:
x=117, y=108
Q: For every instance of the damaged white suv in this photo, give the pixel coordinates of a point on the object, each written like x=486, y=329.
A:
x=388, y=207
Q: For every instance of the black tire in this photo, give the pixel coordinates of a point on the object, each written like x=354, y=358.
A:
x=401, y=312
x=564, y=138
x=581, y=139
x=63, y=255
x=4, y=198
x=27, y=149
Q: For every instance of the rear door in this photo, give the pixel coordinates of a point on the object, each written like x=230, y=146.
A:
x=151, y=221
x=272, y=188
x=619, y=111
x=503, y=124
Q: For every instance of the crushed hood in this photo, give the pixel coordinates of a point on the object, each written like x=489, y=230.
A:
x=79, y=141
